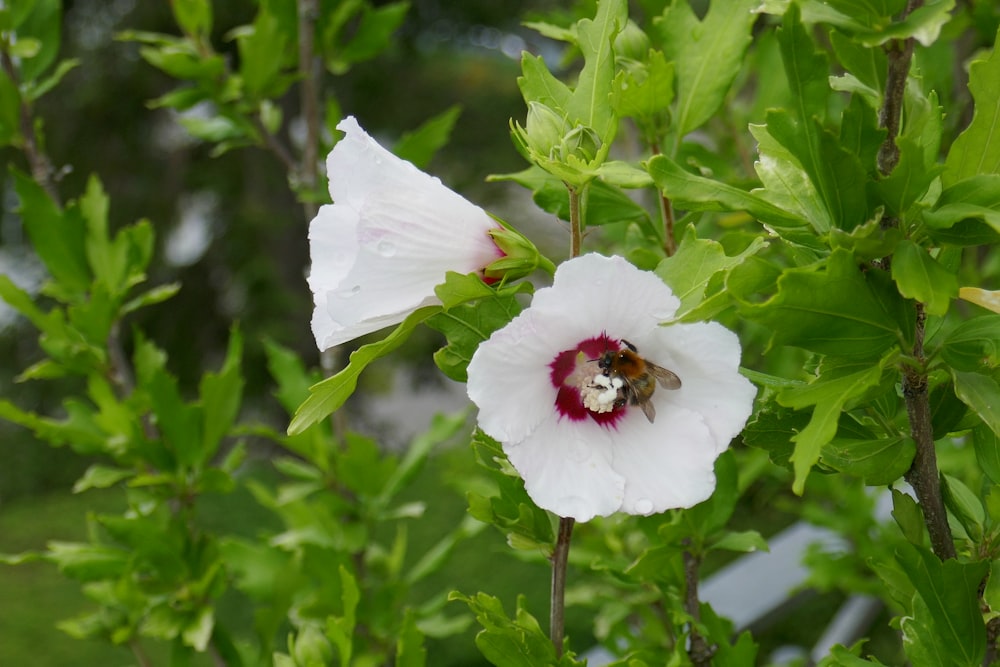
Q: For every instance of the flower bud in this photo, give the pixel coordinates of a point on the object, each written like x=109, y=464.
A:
x=544, y=130
x=520, y=256
x=581, y=142
x=631, y=43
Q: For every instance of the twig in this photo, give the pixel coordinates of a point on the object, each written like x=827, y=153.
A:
x=39, y=163
x=309, y=101
x=899, y=53
x=557, y=609
x=699, y=651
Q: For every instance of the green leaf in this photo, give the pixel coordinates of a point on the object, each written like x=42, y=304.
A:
x=372, y=35
x=806, y=69
x=87, y=562
x=262, y=48
x=507, y=642
x=707, y=55
x=837, y=174
x=466, y=326
x=538, y=84
x=987, y=446
x=57, y=236
x=908, y=516
x=964, y=505
x=101, y=477
x=919, y=276
x=326, y=396
x=834, y=308
x=877, y=462
x=442, y=428
x=695, y=263
x=44, y=24
x=977, y=149
x=974, y=344
x=590, y=102
x=10, y=112
x=221, y=396
x=867, y=65
x=747, y=541
x=697, y=193
x=945, y=626
x=193, y=16
x=828, y=394
x=420, y=145
x=198, y=631
x=973, y=198
x=982, y=394
x=179, y=423
x=410, y=650
x=340, y=629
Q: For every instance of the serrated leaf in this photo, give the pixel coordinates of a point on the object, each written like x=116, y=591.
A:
x=697, y=193
x=877, y=462
x=327, y=396
x=945, y=626
x=57, y=236
x=833, y=308
x=977, y=148
x=707, y=55
x=372, y=35
x=410, y=650
x=919, y=276
x=694, y=263
x=221, y=396
x=973, y=198
x=908, y=516
x=964, y=505
x=987, y=446
x=590, y=102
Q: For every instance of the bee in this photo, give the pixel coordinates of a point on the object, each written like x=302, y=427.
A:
x=639, y=378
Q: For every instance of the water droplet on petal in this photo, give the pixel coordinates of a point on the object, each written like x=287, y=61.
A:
x=386, y=248
x=355, y=290
x=643, y=506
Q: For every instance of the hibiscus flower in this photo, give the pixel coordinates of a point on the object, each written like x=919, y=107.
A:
x=387, y=240
x=573, y=428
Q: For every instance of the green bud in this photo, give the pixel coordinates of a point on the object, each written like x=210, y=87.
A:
x=544, y=129
x=631, y=43
x=581, y=142
x=521, y=257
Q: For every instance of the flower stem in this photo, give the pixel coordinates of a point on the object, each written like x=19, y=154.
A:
x=575, y=222
x=666, y=215
x=560, y=558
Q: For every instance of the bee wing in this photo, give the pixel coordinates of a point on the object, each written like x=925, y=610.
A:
x=667, y=379
x=649, y=410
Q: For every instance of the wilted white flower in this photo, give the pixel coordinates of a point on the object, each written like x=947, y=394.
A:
x=387, y=240
x=546, y=391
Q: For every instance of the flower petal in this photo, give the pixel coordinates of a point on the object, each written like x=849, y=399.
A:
x=668, y=464
x=571, y=471
x=388, y=239
x=509, y=379
x=706, y=357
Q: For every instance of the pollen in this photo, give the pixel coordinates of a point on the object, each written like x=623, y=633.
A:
x=600, y=393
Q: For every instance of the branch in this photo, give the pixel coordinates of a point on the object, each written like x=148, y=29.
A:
x=900, y=53
x=699, y=651
x=39, y=163
x=557, y=609
x=309, y=100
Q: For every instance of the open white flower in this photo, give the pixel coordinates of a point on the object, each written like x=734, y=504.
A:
x=389, y=237
x=565, y=421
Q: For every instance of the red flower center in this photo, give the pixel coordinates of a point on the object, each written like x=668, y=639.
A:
x=575, y=367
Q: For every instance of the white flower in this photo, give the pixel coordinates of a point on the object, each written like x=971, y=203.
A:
x=389, y=237
x=566, y=423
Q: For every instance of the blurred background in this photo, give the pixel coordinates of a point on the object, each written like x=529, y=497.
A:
x=231, y=232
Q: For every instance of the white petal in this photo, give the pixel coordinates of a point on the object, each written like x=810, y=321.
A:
x=706, y=357
x=566, y=469
x=666, y=465
x=509, y=380
x=388, y=239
